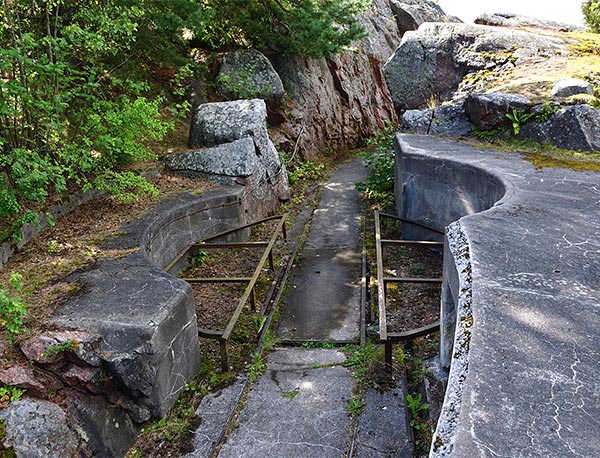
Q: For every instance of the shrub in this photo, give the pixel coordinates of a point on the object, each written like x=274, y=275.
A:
x=591, y=14
x=12, y=308
x=379, y=186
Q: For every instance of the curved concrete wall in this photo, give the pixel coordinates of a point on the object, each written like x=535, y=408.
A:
x=181, y=225
x=521, y=286
x=438, y=191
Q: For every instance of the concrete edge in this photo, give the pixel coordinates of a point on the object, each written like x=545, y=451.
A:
x=443, y=438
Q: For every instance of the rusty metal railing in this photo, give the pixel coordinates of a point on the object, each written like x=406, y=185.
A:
x=249, y=294
x=388, y=338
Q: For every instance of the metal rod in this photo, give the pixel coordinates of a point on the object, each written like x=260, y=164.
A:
x=253, y=300
x=412, y=334
x=388, y=355
x=224, y=349
x=257, y=272
x=218, y=280
x=246, y=226
x=209, y=333
x=412, y=280
x=410, y=221
x=380, y=281
x=411, y=242
x=176, y=260
x=271, y=262
x=212, y=246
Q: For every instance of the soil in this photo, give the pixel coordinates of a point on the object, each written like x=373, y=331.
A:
x=216, y=302
x=408, y=306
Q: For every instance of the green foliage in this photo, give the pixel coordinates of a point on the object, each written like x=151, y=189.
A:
x=355, y=406
x=362, y=360
x=256, y=368
x=591, y=14
x=415, y=404
x=311, y=344
x=259, y=322
x=68, y=346
x=9, y=394
x=417, y=409
x=379, y=186
x=547, y=111
x=300, y=171
x=12, y=307
x=517, y=119
x=316, y=28
x=291, y=394
x=66, y=115
x=199, y=259
x=488, y=134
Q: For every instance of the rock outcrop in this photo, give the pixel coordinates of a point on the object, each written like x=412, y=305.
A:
x=515, y=20
x=433, y=60
x=572, y=127
x=448, y=119
x=410, y=14
x=335, y=103
x=567, y=87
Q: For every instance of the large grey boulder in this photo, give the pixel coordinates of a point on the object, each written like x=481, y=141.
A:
x=81, y=426
x=248, y=74
x=433, y=59
x=222, y=163
x=239, y=147
x=448, y=119
x=515, y=20
x=488, y=111
x=567, y=87
x=576, y=128
x=410, y=14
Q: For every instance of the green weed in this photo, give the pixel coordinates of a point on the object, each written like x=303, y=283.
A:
x=69, y=345
x=518, y=118
x=291, y=394
x=355, y=406
x=12, y=307
x=9, y=394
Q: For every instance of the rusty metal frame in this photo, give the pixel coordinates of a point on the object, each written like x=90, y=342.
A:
x=249, y=293
x=388, y=338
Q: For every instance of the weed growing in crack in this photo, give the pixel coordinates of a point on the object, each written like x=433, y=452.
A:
x=256, y=368
x=291, y=394
x=355, y=406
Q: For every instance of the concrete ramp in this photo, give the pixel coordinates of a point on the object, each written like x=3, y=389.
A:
x=324, y=297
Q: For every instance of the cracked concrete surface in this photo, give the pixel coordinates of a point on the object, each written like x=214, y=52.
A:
x=296, y=409
x=530, y=388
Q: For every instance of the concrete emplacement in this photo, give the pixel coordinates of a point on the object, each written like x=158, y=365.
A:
x=520, y=302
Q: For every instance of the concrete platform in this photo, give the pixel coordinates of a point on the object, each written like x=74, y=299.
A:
x=521, y=299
